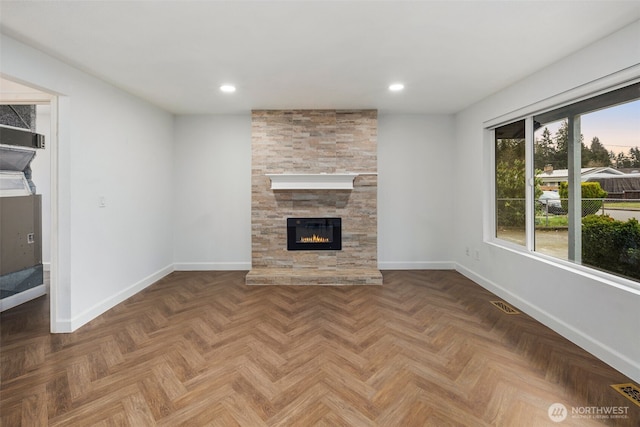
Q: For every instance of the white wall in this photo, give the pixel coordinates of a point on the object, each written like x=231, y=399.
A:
x=212, y=192
x=598, y=316
x=415, y=191
x=114, y=145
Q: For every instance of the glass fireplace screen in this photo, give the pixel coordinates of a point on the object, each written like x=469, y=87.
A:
x=314, y=234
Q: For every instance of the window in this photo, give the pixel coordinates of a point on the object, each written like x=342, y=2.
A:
x=510, y=182
x=582, y=185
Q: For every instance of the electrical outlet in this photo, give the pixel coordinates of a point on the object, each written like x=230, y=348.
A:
x=467, y=250
x=102, y=202
x=477, y=255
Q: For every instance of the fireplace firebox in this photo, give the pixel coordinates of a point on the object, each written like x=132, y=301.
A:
x=314, y=234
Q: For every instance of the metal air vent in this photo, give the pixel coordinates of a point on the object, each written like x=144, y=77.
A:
x=504, y=307
x=628, y=390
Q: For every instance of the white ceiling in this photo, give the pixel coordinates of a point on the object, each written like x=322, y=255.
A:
x=313, y=54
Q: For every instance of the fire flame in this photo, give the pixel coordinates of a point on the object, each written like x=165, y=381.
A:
x=314, y=239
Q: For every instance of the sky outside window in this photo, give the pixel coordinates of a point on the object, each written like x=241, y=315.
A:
x=617, y=127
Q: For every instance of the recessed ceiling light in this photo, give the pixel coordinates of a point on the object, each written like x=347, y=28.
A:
x=396, y=87
x=228, y=88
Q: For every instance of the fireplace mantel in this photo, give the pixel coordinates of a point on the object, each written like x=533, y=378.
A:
x=313, y=181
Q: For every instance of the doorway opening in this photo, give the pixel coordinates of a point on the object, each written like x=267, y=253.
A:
x=25, y=111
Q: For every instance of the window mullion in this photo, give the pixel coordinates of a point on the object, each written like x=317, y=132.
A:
x=575, y=189
x=530, y=187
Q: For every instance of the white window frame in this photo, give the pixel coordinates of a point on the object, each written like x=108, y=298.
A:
x=605, y=84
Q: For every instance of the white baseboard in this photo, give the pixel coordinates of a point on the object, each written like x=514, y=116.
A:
x=603, y=352
x=61, y=326
x=99, y=308
x=245, y=266
x=416, y=265
x=212, y=266
x=22, y=297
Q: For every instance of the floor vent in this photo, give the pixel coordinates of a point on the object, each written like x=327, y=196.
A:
x=504, y=307
x=628, y=390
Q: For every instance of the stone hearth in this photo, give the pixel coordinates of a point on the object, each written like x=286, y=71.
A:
x=314, y=142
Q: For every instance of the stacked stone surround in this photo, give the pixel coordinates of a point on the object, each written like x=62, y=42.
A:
x=314, y=141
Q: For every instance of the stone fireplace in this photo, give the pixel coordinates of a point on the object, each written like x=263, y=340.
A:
x=314, y=175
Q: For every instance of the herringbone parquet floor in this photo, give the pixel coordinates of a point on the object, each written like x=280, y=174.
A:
x=201, y=348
